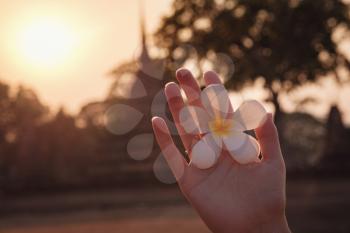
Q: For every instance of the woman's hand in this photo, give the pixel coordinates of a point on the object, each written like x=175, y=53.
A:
x=229, y=197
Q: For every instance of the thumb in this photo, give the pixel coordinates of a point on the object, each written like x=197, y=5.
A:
x=267, y=136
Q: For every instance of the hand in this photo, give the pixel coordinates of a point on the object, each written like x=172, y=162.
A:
x=229, y=197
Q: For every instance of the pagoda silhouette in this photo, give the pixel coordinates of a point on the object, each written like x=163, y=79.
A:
x=336, y=154
x=138, y=84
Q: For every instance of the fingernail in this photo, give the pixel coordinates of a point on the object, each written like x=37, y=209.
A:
x=156, y=121
x=182, y=73
x=154, y=118
x=172, y=90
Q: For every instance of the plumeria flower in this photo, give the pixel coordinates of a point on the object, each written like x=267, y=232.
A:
x=220, y=128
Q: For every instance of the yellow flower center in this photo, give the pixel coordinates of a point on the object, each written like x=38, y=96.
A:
x=220, y=126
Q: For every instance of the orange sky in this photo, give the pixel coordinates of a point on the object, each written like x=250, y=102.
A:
x=99, y=35
x=106, y=33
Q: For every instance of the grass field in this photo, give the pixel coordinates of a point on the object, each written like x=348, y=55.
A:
x=313, y=206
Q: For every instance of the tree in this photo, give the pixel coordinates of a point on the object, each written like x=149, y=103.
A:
x=287, y=43
x=20, y=115
x=7, y=121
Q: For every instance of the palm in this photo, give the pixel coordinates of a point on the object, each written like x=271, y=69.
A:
x=229, y=197
x=234, y=194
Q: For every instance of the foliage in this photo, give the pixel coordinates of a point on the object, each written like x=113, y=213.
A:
x=36, y=149
x=287, y=43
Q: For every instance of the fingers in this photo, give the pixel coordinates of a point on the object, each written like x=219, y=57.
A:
x=176, y=103
x=172, y=155
x=190, y=86
x=268, y=138
x=211, y=77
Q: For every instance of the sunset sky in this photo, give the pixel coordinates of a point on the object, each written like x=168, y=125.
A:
x=89, y=38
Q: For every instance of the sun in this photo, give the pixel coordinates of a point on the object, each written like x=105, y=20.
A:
x=45, y=42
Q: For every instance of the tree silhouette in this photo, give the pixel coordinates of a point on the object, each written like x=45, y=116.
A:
x=287, y=43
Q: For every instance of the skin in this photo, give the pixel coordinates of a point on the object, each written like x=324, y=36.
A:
x=229, y=197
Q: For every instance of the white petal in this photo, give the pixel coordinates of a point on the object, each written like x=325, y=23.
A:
x=235, y=140
x=194, y=119
x=237, y=126
x=251, y=114
x=203, y=156
x=247, y=152
x=214, y=142
x=216, y=101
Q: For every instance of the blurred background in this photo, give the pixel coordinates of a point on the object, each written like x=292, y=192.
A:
x=80, y=81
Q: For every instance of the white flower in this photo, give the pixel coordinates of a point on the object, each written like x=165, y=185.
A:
x=221, y=128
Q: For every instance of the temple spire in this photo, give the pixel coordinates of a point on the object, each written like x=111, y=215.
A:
x=144, y=51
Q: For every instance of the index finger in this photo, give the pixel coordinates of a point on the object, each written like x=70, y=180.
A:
x=176, y=104
x=190, y=86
